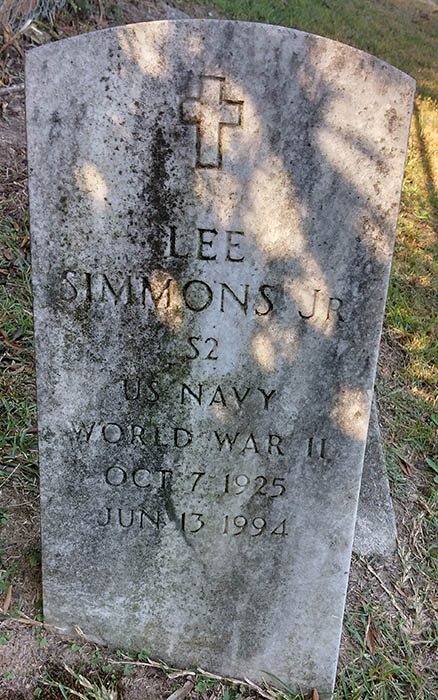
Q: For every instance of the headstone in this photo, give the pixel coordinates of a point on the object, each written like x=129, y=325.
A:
x=376, y=532
x=213, y=207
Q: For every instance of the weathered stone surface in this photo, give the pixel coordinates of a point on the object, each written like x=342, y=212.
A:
x=376, y=531
x=213, y=207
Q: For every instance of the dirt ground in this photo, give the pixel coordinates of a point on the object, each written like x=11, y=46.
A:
x=31, y=654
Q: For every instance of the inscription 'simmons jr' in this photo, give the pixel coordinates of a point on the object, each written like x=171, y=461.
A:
x=165, y=294
x=211, y=112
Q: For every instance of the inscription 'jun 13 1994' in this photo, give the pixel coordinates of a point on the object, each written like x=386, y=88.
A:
x=190, y=522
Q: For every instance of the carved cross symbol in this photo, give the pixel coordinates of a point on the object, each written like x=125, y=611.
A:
x=211, y=113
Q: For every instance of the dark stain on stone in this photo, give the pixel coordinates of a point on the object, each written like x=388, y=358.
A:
x=171, y=513
x=55, y=124
x=338, y=61
x=392, y=120
x=157, y=194
x=62, y=204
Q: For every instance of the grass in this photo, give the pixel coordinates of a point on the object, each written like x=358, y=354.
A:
x=17, y=393
x=391, y=623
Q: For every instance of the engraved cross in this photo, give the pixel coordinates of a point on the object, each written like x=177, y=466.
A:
x=211, y=113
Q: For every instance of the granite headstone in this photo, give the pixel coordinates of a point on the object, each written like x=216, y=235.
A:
x=376, y=531
x=213, y=206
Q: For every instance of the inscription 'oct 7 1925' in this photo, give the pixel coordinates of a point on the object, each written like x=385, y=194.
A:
x=195, y=482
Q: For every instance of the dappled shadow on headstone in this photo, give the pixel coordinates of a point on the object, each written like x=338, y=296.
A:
x=226, y=214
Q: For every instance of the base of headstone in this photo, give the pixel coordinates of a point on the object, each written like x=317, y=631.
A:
x=376, y=532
